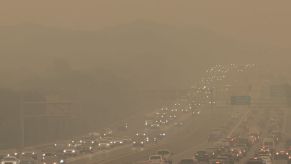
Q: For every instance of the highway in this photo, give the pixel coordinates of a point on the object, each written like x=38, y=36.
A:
x=186, y=125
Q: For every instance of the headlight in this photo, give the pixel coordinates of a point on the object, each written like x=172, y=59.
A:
x=141, y=142
x=62, y=161
x=74, y=151
x=134, y=142
x=65, y=151
x=277, y=153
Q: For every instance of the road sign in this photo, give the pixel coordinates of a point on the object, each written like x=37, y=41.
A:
x=240, y=100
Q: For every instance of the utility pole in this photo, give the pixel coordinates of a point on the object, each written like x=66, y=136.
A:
x=21, y=119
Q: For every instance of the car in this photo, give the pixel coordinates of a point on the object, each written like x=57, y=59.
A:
x=10, y=160
x=188, y=161
x=157, y=159
x=29, y=154
x=86, y=149
x=117, y=142
x=70, y=152
x=178, y=124
x=236, y=153
x=202, y=156
x=281, y=155
x=138, y=143
x=213, y=152
x=107, y=132
x=255, y=160
x=266, y=159
x=289, y=159
x=53, y=160
x=103, y=145
x=167, y=155
x=155, y=126
x=27, y=161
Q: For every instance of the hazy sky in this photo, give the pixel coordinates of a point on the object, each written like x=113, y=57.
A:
x=265, y=21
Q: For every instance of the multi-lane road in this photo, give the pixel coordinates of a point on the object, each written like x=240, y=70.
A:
x=183, y=127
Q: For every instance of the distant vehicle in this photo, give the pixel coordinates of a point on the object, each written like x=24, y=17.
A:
x=27, y=161
x=107, y=132
x=281, y=155
x=70, y=152
x=138, y=143
x=188, y=161
x=167, y=155
x=178, y=124
x=118, y=142
x=156, y=159
x=29, y=154
x=148, y=122
x=202, y=156
x=255, y=161
x=10, y=160
x=86, y=149
x=53, y=160
x=155, y=126
x=104, y=145
x=266, y=159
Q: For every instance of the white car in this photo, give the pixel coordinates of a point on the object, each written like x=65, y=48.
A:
x=10, y=160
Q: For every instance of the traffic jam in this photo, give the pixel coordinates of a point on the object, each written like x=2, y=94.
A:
x=246, y=136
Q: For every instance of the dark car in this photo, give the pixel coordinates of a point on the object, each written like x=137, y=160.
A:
x=281, y=155
x=255, y=161
x=202, y=156
x=32, y=155
x=188, y=161
x=27, y=161
x=86, y=149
